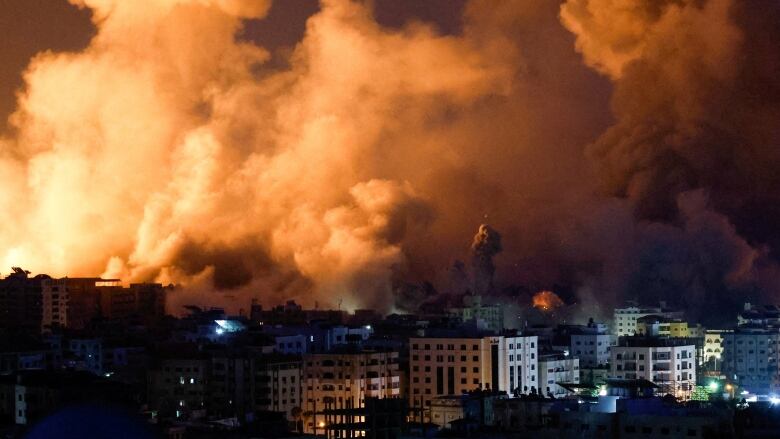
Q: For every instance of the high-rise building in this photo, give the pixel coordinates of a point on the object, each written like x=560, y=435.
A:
x=668, y=362
x=442, y=366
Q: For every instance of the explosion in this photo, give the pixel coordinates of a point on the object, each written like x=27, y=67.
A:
x=621, y=147
x=547, y=301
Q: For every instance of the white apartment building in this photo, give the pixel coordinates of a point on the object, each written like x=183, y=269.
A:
x=750, y=358
x=454, y=365
x=668, y=362
x=554, y=369
x=344, y=378
x=625, y=319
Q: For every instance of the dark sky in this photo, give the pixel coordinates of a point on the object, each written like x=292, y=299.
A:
x=31, y=26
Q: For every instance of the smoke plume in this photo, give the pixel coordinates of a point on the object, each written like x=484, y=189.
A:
x=486, y=245
x=624, y=148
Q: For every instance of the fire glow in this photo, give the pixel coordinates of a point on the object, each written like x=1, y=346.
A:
x=547, y=301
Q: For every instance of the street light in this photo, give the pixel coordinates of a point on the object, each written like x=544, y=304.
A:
x=713, y=386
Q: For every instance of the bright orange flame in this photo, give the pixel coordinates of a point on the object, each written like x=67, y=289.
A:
x=547, y=301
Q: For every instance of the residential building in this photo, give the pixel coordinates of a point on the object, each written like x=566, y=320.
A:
x=764, y=315
x=557, y=368
x=178, y=383
x=277, y=384
x=668, y=362
x=661, y=326
x=442, y=366
x=487, y=317
x=750, y=358
x=713, y=345
x=21, y=302
x=476, y=406
x=625, y=319
x=591, y=344
x=344, y=378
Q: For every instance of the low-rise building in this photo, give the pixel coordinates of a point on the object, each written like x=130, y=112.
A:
x=554, y=369
x=713, y=346
x=625, y=319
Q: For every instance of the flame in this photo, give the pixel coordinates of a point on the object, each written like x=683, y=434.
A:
x=547, y=301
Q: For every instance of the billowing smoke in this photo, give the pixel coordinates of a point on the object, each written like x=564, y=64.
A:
x=170, y=149
x=695, y=141
x=486, y=245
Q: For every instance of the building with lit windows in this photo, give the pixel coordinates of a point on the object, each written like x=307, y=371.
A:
x=442, y=366
x=343, y=379
x=625, y=319
x=713, y=345
x=670, y=363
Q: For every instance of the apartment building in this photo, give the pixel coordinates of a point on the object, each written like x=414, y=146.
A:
x=488, y=317
x=277, y=384
x=750, y=358
x=441, y=366
x=713, y=345
x=591, y=344
x=557, y=368
x=625, y=319
x=668, y=362
x=344, y=378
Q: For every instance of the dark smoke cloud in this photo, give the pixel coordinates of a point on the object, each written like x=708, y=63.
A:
x=486, y=245
x=695, y=145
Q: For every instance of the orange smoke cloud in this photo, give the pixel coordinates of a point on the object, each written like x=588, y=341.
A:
x=158, y=153
x=546, y=301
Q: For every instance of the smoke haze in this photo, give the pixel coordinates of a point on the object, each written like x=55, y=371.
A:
x=621, y=148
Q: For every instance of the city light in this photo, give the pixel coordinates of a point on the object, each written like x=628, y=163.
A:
x=713, y=386
x=603, y=391
x=774, y=400
x=321, y=424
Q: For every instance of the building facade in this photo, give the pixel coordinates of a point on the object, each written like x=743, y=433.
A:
x=343, y=379
x=592, y=345
x=750, y=358
x=625, y=319
x=670, y=363
x=555, y=369
x=454, y=366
